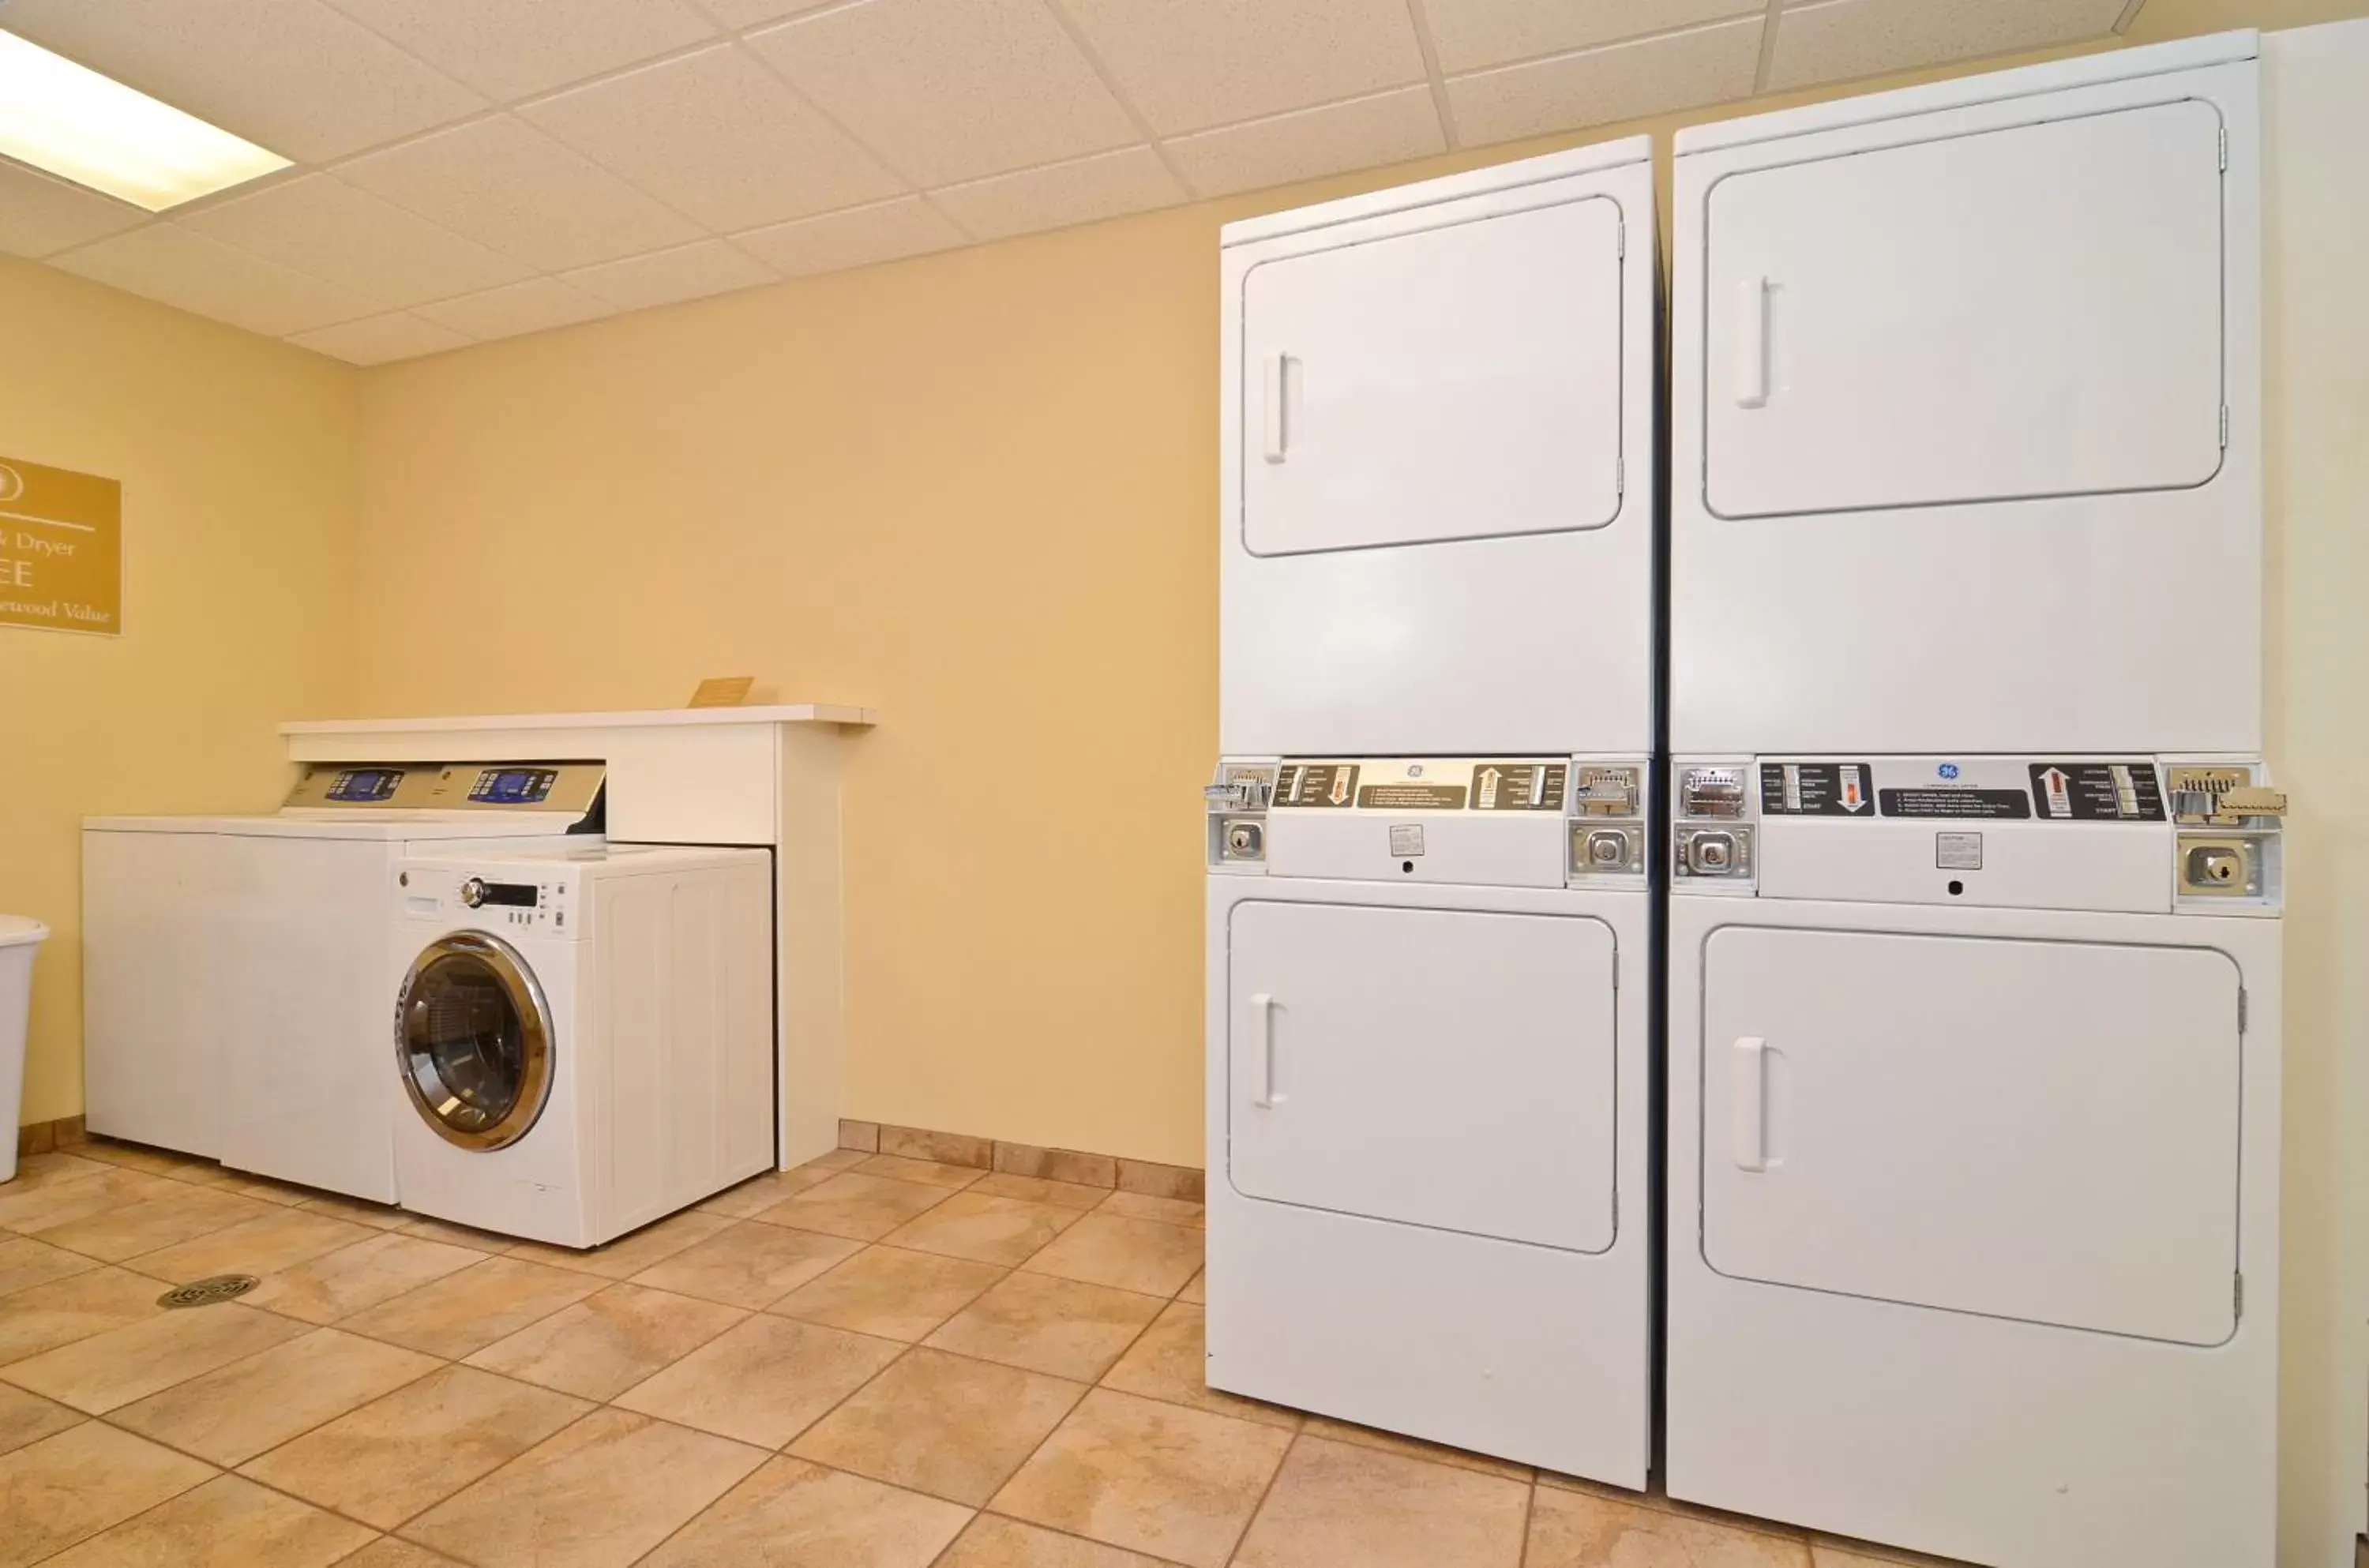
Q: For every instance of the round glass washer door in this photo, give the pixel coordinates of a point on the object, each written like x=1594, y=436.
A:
x=473, y=1041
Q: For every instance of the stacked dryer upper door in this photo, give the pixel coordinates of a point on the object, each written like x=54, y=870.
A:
x=1438, y=435
x=1965, y=418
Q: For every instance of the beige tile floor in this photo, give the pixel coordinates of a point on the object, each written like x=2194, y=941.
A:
x=869, y=1362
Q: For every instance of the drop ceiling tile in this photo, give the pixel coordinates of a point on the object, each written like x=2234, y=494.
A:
x=949, y=90
x=1107, y=185
x=686, y=272
x=1841, y=39
x=511, y=49
x=1388, y=128
x=885, y=230
x=375, y=340
x=1471, y=34
x=719, y=138
x=185, y=270
x=38, y=215
x=319, y=225
x=1187, y=67
x=1597, y=86
x=504, y=183
x=749, y=12
x=532, y=306
x=291, y=74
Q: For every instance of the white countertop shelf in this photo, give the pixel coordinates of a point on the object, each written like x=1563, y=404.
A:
x=632, y=718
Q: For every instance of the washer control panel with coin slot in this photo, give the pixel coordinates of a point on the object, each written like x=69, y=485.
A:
x=2109, y=833
x=1512, y=822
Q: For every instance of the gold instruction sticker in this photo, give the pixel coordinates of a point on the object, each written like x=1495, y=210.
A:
x=61, y=549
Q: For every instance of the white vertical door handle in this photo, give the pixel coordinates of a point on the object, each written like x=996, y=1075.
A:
x=1751, y=341
x=1746, y=1097
x=1279, y=396
x=1263, y=1093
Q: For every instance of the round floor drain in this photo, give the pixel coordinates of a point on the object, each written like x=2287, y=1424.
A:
x=206, y=1292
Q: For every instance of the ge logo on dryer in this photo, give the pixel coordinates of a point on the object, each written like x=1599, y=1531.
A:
x=1947, y=770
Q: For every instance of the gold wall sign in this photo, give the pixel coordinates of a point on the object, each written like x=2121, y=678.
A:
x=61, y=549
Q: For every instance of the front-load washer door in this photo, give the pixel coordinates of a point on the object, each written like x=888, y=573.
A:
x=2029, y=1130
x=474, y=1041
x=1445, y=1068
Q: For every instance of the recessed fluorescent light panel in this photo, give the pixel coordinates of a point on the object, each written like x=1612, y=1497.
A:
x=90, y=128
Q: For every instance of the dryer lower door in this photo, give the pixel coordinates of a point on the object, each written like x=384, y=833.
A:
x=2039, y=1130
x=1445, y=1068
x=474, y=1041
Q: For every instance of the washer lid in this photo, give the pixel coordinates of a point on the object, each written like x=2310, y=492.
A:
x=21, y=931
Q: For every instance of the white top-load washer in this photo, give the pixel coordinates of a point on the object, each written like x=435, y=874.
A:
x=1974, y=973
x=232, y=965
x=1429, y=915
x=582, y=1035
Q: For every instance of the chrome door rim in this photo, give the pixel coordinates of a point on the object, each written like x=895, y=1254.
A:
x=525, y=996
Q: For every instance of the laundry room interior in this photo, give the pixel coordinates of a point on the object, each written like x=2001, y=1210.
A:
x=726, y=836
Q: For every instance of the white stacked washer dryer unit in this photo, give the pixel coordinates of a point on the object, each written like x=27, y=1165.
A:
x=1973, y=954
x=1430, y=914
x=582, y=1037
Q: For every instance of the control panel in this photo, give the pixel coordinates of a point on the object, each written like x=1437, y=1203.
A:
x=363, y=787
x=1500, y=820
x=2056, y=831
x=565, y=788
x=569, y=789
x=515, y=899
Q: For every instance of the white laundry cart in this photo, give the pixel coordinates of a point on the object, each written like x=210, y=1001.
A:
x=20, y=939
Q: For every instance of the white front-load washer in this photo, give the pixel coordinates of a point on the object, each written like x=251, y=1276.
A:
x=232, y=964
x=582, y=1036
x=1429, y=995
x=1974, y=1181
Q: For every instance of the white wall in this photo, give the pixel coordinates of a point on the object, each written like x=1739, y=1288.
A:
x=2316, y=404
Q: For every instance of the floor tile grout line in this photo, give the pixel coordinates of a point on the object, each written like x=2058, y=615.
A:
x=1250, y=1523
x=235, y=1469
x=84, y=1540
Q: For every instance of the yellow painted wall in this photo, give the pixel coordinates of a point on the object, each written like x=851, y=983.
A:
x=237, y=461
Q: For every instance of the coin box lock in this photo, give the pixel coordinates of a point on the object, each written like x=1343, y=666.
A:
x=1714, y=852
x=1606, y=851
x=2219, y=867
x=1244, y=839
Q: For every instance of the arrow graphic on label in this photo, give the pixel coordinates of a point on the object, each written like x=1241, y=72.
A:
x=1854, y=799
x=2059, y=802
x=1341, y=787
x=1489, y=777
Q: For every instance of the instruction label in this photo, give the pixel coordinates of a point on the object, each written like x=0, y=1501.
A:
x=1519, y=786
x=1412, y=797
x=1817, y=789
x=1954, y=800
x=1958, y=851
x=2097, y=792
x=1317, y=784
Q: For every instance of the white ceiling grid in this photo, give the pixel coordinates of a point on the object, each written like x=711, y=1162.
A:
x=472, y=169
